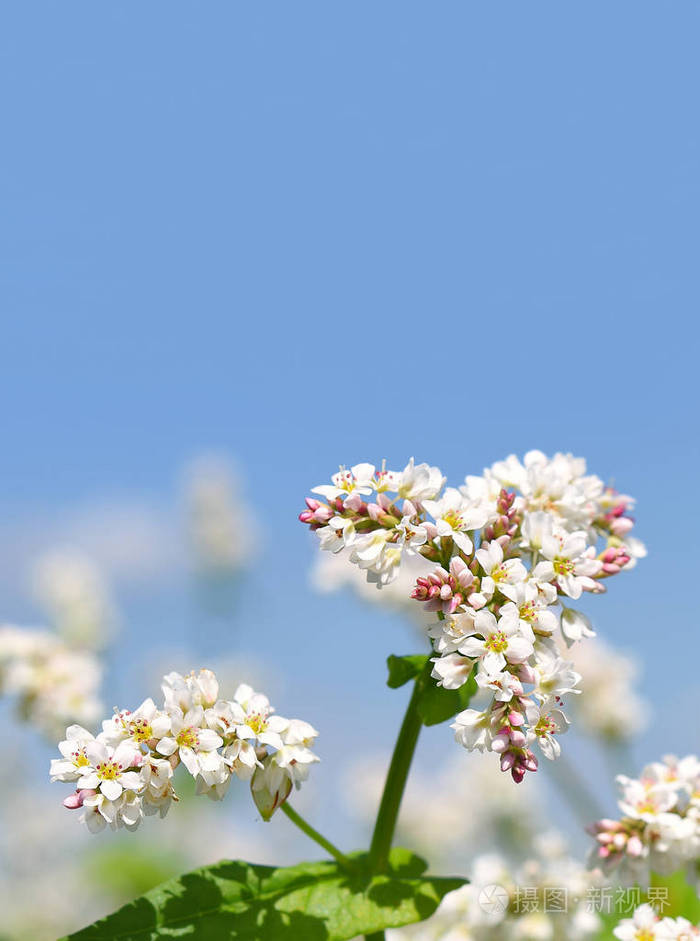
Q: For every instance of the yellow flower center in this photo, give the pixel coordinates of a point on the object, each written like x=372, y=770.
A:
x=563, y=566
x=646, y=807
x=80, y=759
x=453, y=519
x=545, y=726
x=527, y=611
x=347, y=480
x=498, y=642
x=499, y=572
x=645, y=935
x=108, y=770
x=140, y=730
x=188, y=738
x=257, y=722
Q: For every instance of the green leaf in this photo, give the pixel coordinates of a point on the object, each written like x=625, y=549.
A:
x=403, y=669
x=435, y=704
x=438, y=704
x=312, y=901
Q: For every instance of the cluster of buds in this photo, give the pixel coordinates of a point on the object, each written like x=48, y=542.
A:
x=127, y=770
x=53, y=683
x=509, y=547
x=445, y=591
x=660, y=827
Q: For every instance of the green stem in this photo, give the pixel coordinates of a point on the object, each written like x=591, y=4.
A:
x=396, y=781
x=316, y=836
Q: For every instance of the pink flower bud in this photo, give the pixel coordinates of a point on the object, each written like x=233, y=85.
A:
x=354, y=502
x=635, y=846
x=74, y=801
x=507, y=761
x=530, y=761
x=526, y=674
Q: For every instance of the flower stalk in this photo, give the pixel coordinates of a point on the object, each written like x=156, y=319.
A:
x=317, y=837
x=397, y=774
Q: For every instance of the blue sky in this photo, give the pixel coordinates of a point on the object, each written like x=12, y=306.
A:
x=315, y=234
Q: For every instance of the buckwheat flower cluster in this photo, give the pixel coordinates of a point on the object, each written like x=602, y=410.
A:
x=660, y=827
x=647, y=925
x=126, y=772
x=511, y=548
x=53, y=684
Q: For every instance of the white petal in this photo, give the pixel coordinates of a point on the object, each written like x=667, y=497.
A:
x=111, y=789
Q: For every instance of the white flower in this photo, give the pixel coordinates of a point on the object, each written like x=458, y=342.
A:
x=497, y=572
x=554, y=678
x=570, y=562
x=484, y=490
x=473, y=729
x=546, y=722
x=98, y=812
x=411, y=535
x=451, y=632
x=502, y=642
x=420, y=482
x=644, y=801
x=75, y=759
x=525, y=602
x=156, y=774
x=338, y=534
x=241, y=757
x=368, y=549
x=296, y=760
x=455, y=516
x=358, y=479
x=536, y=527
x=574, y=626
x=184, y=692
x=452, y=670
x=195, y=745
x=111, y=770
x=145, y=724
x=505, y=685
x=255, y=719
x=643, y=924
